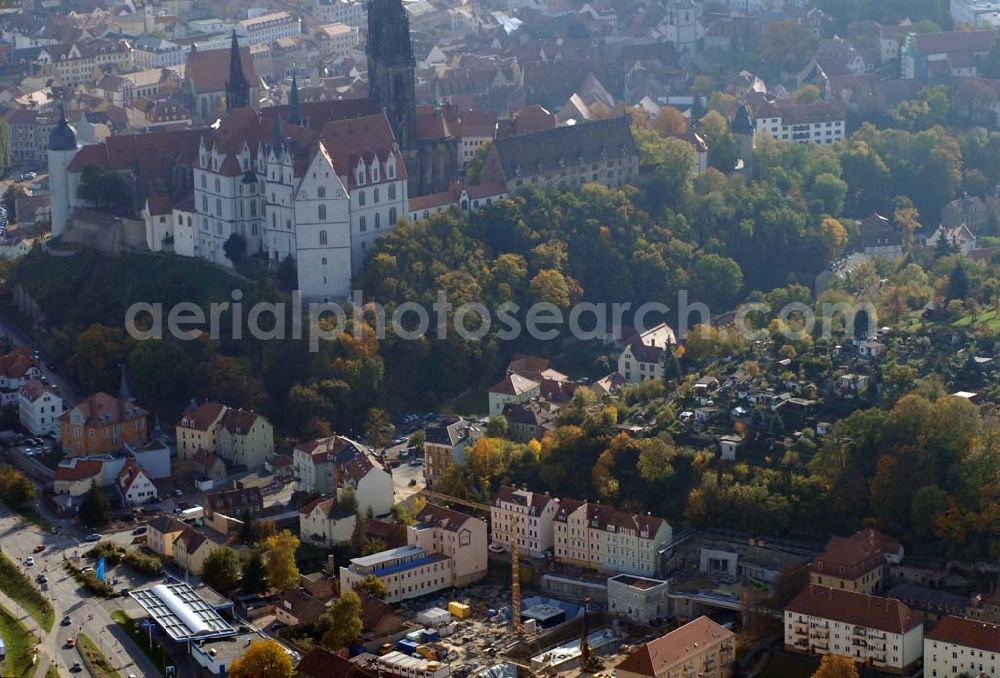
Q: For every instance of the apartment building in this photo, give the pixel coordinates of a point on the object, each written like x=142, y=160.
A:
x=881, y=633
x=820, y=122
x=102, y=423
x=38, y=408
x=407, y=572
x=601, y=538
x=79, y=62
x=245, y=438
x=198, y=429
x=533, y=513
x=643, y=357
x=267, y=28
x=958, y=646
x=461, y=538
x=444, y=446
x=336, y=464
x=17, y=368
x=699, y=648
x=859, y=563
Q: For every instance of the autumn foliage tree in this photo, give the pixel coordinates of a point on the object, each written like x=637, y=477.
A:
x=282, y=572
x=264, y=659
x=836, y=666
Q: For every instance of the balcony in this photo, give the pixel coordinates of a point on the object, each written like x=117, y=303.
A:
x=860, y=631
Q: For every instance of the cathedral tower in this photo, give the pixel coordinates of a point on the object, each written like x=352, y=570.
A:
x=237, y=87
x=391, y=68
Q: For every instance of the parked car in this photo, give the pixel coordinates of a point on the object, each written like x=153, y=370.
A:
x=29, y=561
x=76, y=668
x=28, y=176
x=92, y=537
x=39, y=548
x=178, y=493
x=417, y=461
x=495, y=548
x=139, y=530
x=66, y=621
x=70, y=643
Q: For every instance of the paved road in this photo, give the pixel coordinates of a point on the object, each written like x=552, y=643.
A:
x=69, y=395
x=88, y=614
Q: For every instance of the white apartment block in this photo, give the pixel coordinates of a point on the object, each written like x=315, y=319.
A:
x=530, y=513
x=337, y=40
x=350, y=12
x=38, y=408
x=881, y=633
x=81, y=61
x=458, y=537
x=644, y=356
x=601, y=538
x=407, y=572
x=152, y=52
x=958, y=646
x=267, y=28
x=817, y=123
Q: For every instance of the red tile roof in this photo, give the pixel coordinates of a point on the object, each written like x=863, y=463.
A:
x=859, y=609
x=128, y=475
x=854, y=556
x=444, y=518
x=207, y=70
x=966, y=632
x=690, y=640
x=101, y=409
x=201, y=417
x=350, y=139
x=81, y=470
x=16, y=363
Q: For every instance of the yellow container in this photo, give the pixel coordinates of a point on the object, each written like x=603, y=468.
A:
x=426, y=652
x=459, y=610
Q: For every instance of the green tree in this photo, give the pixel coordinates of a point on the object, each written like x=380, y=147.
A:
x=379, y=427
x=98, y=352
x=958, y=283
x=15, y=488
x=288, y=273
x=721, y=144
x=254, y=575
x=342, y=623
x=6, y=149
x=235, y=248
x=95, y=510
x=249, y=533
x=473, y=173
x=496, y=427
x=221, y=569
x=105, y=190
x=373, y=586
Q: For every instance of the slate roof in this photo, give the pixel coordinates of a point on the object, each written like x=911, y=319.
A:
x=547, y=150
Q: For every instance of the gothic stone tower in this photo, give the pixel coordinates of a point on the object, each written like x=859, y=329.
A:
x=391, y=68
x=237, y=86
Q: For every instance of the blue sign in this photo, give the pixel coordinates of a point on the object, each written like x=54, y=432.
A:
x=101, y=567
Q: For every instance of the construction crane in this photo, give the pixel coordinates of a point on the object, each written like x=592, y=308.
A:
x=515, y=556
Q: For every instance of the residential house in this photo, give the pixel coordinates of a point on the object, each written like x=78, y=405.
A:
x=529, y=421
x=191, y=549
x=984, y=607
x=322, y=663
x=75, y=477
x=296, y=607
x=699, y=648
x=456, y=535
x=102, y=423
x=881, y=633
x=880, y=237
x=245, y=438
x=161, y=533
x=959, y=238
x=17, y=367
x=324, y=522
x=858, y=563
x=337, y=464
x=198, y=429
x=969, y=210
x=38, y=408
x=512, y=389
x=944, y=55
x=641, y=600
x=643, y=357
x=445, y=443
x=531, y=512
x=819, y=122
x=958, y=646
x=602, y=538
x=134, y=486
x=208, y=465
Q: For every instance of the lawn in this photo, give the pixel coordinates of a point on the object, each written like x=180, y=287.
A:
x=19, y=642
x=475, y=402
x=153, y=651
x=98, y=664
x=990, y=317
x=16, y=584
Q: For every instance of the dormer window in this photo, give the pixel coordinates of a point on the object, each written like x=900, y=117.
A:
x=390, y=169
x=361, y=174
x=375, y=173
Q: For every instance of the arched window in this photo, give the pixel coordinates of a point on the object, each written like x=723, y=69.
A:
x=392, y=191
x=375, y=195
x=361, y=198
x=321, y=192
x=322, y=237
x=218, y=185
x=362, y=225
x=378, y=220
x=392, y=216
x=322, y=212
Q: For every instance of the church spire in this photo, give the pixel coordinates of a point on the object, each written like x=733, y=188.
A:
x=237, y=87
x=294, y=108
